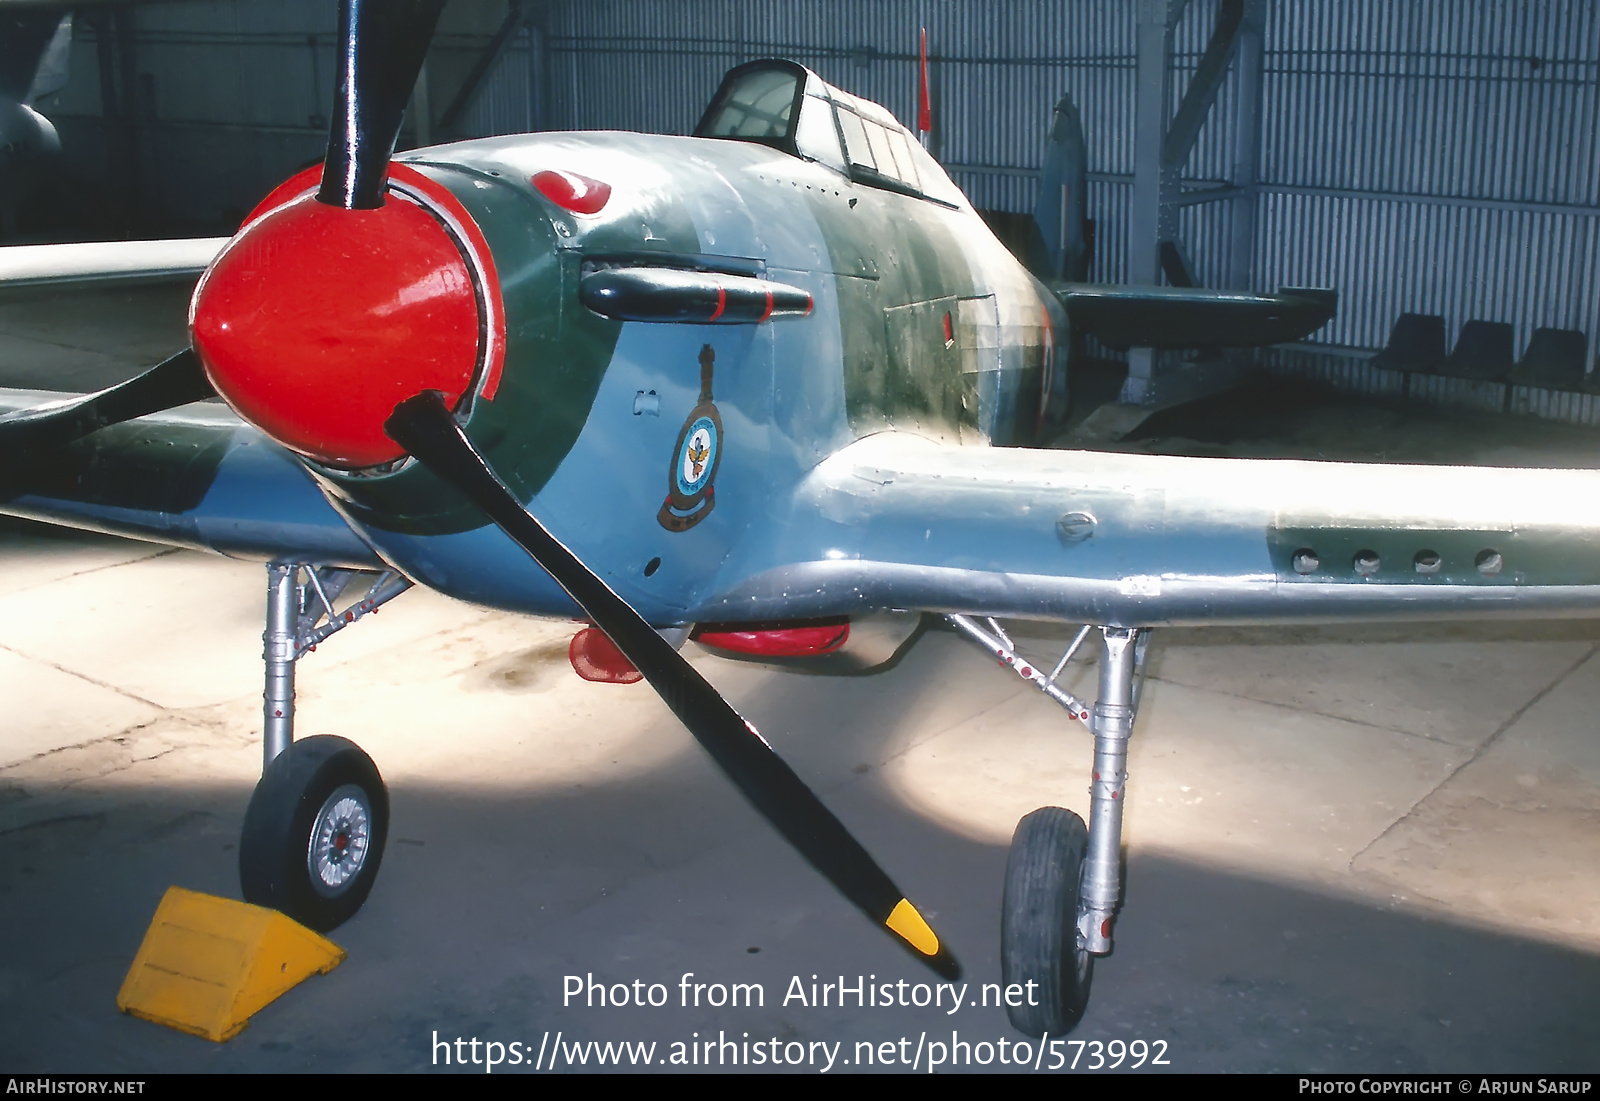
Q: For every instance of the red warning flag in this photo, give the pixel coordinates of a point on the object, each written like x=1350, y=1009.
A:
x=924, y=105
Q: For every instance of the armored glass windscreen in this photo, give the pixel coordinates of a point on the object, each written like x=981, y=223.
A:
x=757, y=108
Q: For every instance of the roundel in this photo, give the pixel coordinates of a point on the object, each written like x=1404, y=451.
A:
x=697, y=456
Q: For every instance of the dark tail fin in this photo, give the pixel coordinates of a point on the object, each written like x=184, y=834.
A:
x=1060, y=247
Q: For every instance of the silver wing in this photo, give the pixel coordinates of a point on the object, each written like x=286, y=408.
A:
x=1142, y=540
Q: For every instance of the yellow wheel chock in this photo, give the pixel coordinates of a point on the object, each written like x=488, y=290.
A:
x=208, y=964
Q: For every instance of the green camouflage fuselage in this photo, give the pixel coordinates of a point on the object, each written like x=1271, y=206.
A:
x=817, y=465
x=922, y=322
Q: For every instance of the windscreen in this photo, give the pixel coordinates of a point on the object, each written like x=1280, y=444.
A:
x=757, y=108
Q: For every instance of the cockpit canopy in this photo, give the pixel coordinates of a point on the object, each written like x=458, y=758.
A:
x=789, y=107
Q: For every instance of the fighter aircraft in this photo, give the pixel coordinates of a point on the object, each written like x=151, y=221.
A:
x=771, y=386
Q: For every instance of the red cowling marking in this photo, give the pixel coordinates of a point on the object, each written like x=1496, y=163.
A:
x=315, y=322
x=595, y=657
x=579, y=194
x=722, y=303
x=783, y=642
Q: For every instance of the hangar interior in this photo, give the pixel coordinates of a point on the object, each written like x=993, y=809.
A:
x=1358, y=849
x=1435, y=162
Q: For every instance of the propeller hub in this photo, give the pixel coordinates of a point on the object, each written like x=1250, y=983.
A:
x=316, y=321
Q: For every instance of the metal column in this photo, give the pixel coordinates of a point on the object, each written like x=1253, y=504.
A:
x=538, y=23
x=1160, y=149
x=1152, y=76
x=1158, y=380
x=421, y=110
x=1154, y=188
x=1248, y=66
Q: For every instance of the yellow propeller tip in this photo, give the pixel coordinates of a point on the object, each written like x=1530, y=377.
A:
x=912, y=928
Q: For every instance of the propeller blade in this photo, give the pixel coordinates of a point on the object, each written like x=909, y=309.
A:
x=28, y=435
x=381, y=47
x=425, y=428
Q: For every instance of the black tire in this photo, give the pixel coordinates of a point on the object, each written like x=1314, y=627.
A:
x=276, y=849
x=1038, y=922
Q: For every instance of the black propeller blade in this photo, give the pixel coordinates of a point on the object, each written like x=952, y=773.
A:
x=381, y=47
x=425, y=428
x=383, y=43
x=29, y=435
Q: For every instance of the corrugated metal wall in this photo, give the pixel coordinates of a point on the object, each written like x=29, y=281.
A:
x=223, y=99
x=1433, y=156
x=219, y=97
x=508, y=100
x=996, y=73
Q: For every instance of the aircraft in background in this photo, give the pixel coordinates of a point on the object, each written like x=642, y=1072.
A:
x=773, y=387
x=34, y=43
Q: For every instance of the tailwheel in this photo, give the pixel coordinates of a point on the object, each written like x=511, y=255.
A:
x=314, y=832
x=1038, y=923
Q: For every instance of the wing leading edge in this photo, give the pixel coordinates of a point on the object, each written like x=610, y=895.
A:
x=106, y=263
x=896, y=521
x=193, y=477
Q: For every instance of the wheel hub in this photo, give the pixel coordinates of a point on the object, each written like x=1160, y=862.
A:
x=339, y=839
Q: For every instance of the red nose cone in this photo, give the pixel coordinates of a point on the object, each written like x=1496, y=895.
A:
x=316, y=322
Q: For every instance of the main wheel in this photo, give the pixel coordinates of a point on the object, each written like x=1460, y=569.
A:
x=1038, y=922
x=314, y=832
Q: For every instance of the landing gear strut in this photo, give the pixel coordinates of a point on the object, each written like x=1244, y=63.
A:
x=1063, y=879
x=314, y=832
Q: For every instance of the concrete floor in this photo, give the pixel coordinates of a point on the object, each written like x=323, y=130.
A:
x=1356, y=849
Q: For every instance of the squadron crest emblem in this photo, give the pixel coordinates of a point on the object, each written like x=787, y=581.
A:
x=691, y=494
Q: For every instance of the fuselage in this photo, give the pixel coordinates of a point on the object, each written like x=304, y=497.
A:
x=748, y=376
x=922, y=322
